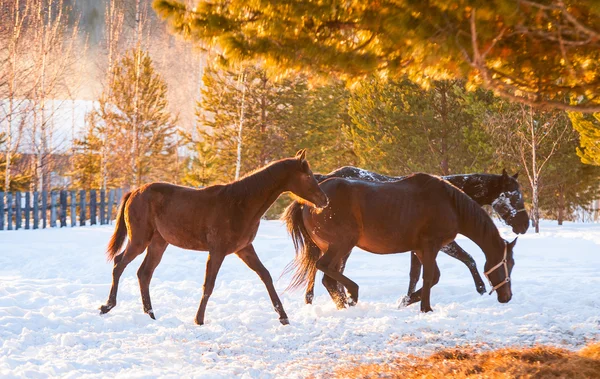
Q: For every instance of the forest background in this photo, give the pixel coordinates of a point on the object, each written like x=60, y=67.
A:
x=100, y=94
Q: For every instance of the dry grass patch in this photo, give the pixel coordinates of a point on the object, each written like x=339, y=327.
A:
x=537, y=362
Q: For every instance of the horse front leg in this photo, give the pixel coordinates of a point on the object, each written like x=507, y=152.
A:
x=415, y=272
x=455, y=251
x=330, y=264
x=213, y=264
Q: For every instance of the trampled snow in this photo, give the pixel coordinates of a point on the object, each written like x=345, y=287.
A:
x=52, y=282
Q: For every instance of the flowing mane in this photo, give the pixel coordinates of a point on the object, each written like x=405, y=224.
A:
x=474, y=222
x=259, y=179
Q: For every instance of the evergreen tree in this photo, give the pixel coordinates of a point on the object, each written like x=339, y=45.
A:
x=400, y=128
x=131, y=129
x=537, y=52
x=87, y=158
x=201, y=168
x=280, y=116
x=568, y=185
x=19, y=180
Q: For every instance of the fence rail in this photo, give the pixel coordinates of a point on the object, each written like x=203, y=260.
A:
x=39, y=210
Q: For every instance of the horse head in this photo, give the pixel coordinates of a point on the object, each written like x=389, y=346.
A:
x=509, y=204
x=303, y=184
x=499, y=274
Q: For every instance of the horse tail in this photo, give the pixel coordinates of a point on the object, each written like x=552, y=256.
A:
x=307, y=252
x=118, y=237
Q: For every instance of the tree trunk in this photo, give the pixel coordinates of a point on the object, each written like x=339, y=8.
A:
x=238, y=161
x=561, y=204
x=444, y=142
x=535, y=206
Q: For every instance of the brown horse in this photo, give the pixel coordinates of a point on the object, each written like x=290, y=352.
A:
x=502, y=192
x=221, y=219
x=421, y=213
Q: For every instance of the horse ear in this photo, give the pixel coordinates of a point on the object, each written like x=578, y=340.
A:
x=301, y=154
x=504, y=173
x=515, y=176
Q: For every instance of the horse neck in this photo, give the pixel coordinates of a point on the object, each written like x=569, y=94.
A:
x=478, y=227
x=260, y=189
x=479, y=192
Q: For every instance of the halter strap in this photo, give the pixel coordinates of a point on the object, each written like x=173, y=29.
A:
x=502, y=263
x=521, y=210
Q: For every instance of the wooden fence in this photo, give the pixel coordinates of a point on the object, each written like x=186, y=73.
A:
x=37, y=210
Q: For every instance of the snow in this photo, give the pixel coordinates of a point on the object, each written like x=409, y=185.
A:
x=52, y=282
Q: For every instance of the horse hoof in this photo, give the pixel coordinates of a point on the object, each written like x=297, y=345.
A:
x=352, y=302
x=151, y=314
x=284, y=321
x=105, y=308
x=405, y=302
x=199, y=323
x=426, y=310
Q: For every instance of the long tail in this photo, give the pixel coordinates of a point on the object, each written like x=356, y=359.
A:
x=307, y=253
x=120, y=233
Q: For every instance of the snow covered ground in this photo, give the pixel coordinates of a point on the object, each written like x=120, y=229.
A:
x=52, y=282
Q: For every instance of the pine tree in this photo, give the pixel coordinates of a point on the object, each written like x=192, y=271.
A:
x=400, y=128
x=201, y=167
x=132, y=130
x=539, y=53
x=568, y=185
x=19, y=181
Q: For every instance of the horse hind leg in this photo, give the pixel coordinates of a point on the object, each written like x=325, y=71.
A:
x=248, y=255
x=133, y=249
x=154, y=254
x=455, y=251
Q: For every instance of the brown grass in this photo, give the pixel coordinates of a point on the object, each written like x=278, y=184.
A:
x=537, y=362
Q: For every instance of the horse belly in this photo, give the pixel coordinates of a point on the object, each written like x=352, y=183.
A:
x=387, y=240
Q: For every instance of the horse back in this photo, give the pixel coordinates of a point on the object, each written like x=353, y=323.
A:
x=388, y=217
x=197, y=219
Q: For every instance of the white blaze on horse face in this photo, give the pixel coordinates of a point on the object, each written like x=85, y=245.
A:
x=503, y=202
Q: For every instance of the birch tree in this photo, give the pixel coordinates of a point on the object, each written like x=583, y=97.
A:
x=14, y=70
x=530, y=138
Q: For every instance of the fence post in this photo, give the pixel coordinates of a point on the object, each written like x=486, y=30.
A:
x=36, y=210
x=82, y=206
x=52, y=209
x=93, y=203
x=18, y=210
x=27, y=208
x=73, y=208
x=111, y=200
x=44, y=210
x=1, y=210
x=63, y=208
x=9, y=211
x=102, y=207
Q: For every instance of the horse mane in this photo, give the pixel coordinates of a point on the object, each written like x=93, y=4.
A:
x=260, y=178
x=473, y=221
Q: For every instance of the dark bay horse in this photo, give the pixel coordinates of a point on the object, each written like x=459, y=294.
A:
x=420, y=213
x=221, y=219
x=500, y=191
